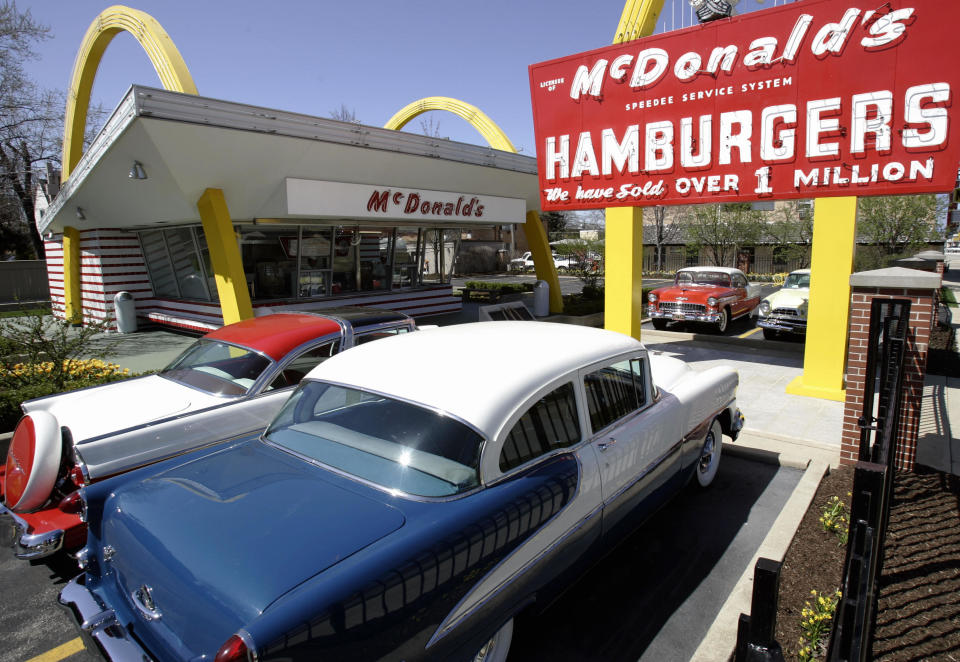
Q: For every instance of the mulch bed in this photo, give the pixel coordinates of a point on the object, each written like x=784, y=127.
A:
x=919, y=604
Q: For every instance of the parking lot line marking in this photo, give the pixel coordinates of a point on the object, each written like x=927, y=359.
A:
x=60, y=652
x=749, y=333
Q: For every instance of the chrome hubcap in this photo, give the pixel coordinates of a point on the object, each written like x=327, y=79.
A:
x=706, y=457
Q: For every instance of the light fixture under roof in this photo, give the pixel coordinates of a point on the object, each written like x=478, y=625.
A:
x=137, y=171
x=80, y=214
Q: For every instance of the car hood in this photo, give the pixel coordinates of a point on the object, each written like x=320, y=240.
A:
x=92, y=412
x=218, y=539
x=789, y=298
x=693, y=293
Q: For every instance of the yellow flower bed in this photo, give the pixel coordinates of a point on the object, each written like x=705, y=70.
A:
x=73, y=369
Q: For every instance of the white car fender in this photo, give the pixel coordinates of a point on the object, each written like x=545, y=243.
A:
x=44, y=450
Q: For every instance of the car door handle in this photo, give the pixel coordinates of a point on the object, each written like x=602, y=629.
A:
x=604, y=445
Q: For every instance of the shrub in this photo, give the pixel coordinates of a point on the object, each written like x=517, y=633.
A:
x=503, y=288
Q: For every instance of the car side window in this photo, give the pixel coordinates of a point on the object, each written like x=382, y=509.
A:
x=549, y=424
x=376, y=335
x=615, y=391
x=739, y=281
x=297, y=369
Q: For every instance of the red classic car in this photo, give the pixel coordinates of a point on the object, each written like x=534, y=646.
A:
x=714, y=295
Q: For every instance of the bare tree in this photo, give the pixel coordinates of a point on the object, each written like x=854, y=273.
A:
x=665, y=231
x=430, y=127
x=345, y=114
x=29, y=126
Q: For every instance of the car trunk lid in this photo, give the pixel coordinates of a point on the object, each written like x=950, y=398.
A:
x=214, y=541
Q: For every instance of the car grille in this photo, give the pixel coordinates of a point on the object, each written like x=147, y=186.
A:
x=785, y=312
x=679, y=307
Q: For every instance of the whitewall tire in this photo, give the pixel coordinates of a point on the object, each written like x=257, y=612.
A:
x=709, y=461
x=497, y=648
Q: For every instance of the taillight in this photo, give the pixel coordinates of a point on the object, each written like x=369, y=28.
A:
x=19, y=461
x=76, y=476
x=233, y=650
x=72, y=503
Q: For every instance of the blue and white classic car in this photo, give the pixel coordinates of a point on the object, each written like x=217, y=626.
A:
x=412, y=497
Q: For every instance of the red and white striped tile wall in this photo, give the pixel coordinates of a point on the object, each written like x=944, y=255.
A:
x=112, y=262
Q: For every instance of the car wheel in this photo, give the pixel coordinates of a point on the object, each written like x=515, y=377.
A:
x=721, y=323
x=709, y=460
x=659, y=324
x=497, y=648
x=770, y=334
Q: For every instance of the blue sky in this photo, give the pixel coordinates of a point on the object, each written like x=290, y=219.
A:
x=374, y=56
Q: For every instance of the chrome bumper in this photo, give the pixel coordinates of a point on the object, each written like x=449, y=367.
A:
x=99, y=627
x=27, y=545
x=789, y=326
x=684, y=317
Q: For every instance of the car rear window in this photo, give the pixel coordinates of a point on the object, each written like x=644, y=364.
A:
x=394, y=444
x=217, y=368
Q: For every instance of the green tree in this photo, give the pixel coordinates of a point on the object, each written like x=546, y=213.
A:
x=790, y=226
x=721, y=230
x=556, y=223
x=586, y=261
x=895, y=225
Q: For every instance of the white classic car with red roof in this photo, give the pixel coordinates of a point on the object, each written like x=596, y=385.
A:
x=711, y=295
x=229, y=382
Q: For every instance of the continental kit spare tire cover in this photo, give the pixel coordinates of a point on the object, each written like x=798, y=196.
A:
x=32, y=462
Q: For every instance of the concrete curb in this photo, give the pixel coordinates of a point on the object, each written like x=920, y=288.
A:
x=649, y=334
x=720, y=641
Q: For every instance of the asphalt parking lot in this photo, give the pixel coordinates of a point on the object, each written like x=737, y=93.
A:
x=652, y=598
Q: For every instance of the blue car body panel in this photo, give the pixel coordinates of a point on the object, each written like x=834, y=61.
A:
x=290, y=530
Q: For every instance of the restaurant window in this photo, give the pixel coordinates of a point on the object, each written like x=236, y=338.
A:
x=177, y=263
x=439, y=249
x=268, y=264
x=313, y=250
x=158, y=264
x=406, y=259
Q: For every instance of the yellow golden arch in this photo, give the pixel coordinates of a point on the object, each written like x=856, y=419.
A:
x=496, y=138
x=174, y=75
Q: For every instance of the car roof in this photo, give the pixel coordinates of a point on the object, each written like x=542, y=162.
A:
x=276, y=334
x=800, y=271
x=726, y=270
x=361, y=316
x=479, y=372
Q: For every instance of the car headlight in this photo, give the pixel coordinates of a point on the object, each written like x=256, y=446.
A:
x=712, y=302
x=764, y=307
x=652, y=297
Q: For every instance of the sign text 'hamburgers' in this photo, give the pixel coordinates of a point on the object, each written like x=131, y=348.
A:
x=816, y=98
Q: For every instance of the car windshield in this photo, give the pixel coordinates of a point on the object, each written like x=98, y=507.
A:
x=394, y=444
x=217, y=368
x=703, y=278
x=796, y=281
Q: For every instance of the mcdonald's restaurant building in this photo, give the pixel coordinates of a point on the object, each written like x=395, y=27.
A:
x=180, y=196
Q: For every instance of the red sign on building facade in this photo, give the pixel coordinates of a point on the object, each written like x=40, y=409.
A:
x=816, y=98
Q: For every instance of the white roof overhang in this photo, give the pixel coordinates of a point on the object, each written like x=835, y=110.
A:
x=187, y=144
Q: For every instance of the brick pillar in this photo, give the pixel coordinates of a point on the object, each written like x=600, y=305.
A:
x=921, y=289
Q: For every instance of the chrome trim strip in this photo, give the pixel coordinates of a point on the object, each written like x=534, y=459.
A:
x=446, y=626
x=251, y=647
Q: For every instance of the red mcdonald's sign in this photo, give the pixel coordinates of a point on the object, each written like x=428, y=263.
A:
x=815, y=98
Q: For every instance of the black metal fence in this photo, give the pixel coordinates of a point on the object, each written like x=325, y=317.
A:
x=855, y=618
